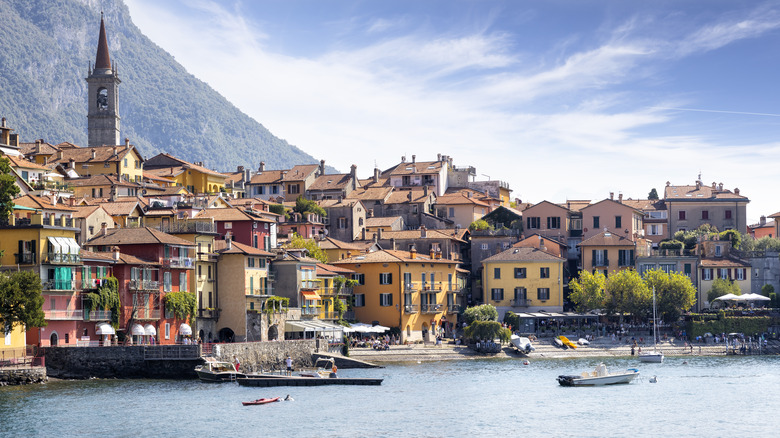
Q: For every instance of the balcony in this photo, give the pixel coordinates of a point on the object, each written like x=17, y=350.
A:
x=144, y=285
x=431, y=308
x=454, y=308
x=59, y=285
x=208, y=313
x=179, y=262
x=98, y=315
x=56, y=257
x=601, y=262
x=27, y=258
x=410, y=287
x=411, y=308
x=521, y=302
x=188, y=227
x=329, y=315
x=207, y=257
x=64, y=315
x=625, y=262
x=327, y=292
x=147, y=314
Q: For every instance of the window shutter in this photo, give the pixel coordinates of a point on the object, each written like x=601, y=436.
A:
x=593, y=261
x=631, y=257
x=390, y=280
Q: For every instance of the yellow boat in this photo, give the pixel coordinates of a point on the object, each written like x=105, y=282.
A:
x=567, y=342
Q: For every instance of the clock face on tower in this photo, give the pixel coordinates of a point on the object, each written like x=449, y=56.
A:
x=102, y=99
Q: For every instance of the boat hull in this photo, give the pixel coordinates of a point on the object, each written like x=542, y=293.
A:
x=651, y=357
x=212, y=377
x=260, y=401
x=611, y=379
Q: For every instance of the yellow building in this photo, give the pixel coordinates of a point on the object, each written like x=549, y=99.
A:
x=414, y=292
x=524, y=279
x=608, y=252
x=244, y=287
x=13, y=344
x=122, y=160
x=337, y=249
x=333, y=286
x=196, y=178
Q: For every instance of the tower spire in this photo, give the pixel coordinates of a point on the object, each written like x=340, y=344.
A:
x=102, y=60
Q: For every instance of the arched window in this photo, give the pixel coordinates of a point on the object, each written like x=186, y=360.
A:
x=102, y=99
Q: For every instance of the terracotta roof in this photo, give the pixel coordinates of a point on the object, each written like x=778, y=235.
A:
x=331, y=243
x=96, y=256
x=381, y=221
x=459, y=198
x=331, y=182
x=160, y=212
x=325, y=269
x=429, y=234
x=82, y=211
x=25, y=164
x=523, y=254
x=181, y=167
x=124, y=259
x=43, y=149
x=614, y=201
x=152, y=176
x=120, y=208
x=267, y=177
x=239, y=248
x=701, y=193
x=723, y=262
x=417, y=168
x=99, y=180
x=84, y=155
x=575, y=205
x=607, y=238
x=389, y=256
x=136, y=236
x=230, y=214
x=38, y=202
x=233, y=177
x=370, y=194
x=334, y=203
x=300, y=172
x=170, y=191
x=402, y=196
x=369, y=182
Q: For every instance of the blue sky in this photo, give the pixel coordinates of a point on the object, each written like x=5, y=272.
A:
x=561, y=99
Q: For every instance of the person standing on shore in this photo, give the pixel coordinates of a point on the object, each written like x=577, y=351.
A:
x=288, y=362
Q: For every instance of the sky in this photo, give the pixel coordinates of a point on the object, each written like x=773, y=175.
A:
x=560, y=99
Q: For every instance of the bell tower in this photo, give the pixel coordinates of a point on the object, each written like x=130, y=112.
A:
x=103, y=97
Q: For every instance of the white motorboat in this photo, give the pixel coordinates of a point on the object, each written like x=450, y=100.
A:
x=522, y=343
x=654, y=356
x=213, y=371
x=598, y=377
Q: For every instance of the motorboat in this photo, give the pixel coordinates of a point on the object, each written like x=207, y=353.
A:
x=598, y=377
x=213, y=371
x=583, y=341
x=522, y=343
x=654, y=356
x=325, y=369
x=260, y=401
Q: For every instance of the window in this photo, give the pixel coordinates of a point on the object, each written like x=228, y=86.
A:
x=681, y=215
x=484, y=247
x=543, y=293
x=167, y=330
x=167, y=281
x=497, y=294
x=533, y=222
x=724, y=273
x=668, y=267
x=360, y=300
x=293, y=189
x=718, y=251
x=596, y=222
x=452, y=211
x=250, y=262
x=739, y=274
x=497, y=273
x=544, y=272
x=183, y=281
x=600, y=257
x=625, y=257
x=728, y=214
x=705, y=214
x=228, y=225
x=385, y=300
x=520, y=293
x=618, y=221
x=361, y=278
x=706, y=274
x=687, y=269
x=407, y=280
x=553, y=223
x=386, y=278
x=342, y=223
x=519, y=272
x=656, y=230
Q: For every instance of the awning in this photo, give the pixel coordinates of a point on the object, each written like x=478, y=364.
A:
x=311, y=326
x=70, y=245
x=185, y=330
x=56, y=244
x=137, y=330
x=149, y=330
x=104, y=329
x=310, y=295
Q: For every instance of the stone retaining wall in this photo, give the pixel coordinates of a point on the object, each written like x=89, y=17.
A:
x=265, y=356
x=22, y=376
x=122, y=362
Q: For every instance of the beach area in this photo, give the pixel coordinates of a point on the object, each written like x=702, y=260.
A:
x=599, y=347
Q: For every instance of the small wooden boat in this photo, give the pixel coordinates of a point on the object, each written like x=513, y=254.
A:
x=260, y=401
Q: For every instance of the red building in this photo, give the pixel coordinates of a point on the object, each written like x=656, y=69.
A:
x=148, y=264
x=243, y=226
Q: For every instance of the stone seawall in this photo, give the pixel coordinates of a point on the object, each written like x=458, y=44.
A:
x=265, y=356
x=22, y=376
x=154, y=362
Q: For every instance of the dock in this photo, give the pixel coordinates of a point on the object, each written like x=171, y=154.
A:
x=272, y=380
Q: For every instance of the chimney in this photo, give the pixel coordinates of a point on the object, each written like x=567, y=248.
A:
x=37, y=147
x=720, y=186
x=403, y=158
x=414, y=158
x=240, y=169
x=353, y=174
x=541, y=243
x=438, y=157
x=363, y=234
x=376, y=174
x=612, y=195
x=103, y=228
x=392, y=244
x=736, y=191
x=425, y=190
x=423, y=232
x=115, y=250
x=228, y=243
x=349, y=254
x=247, y=175
x=438, y=253
x=379, y=234
x=114, y=150
x=620, y=198
x=413, y=252
x=322, y=167
x=762, y=221
x=262, y=167
x=127, y=142
x=72, y=163
x=59, y=154
x=698, y=185
x=4, y=122
x=93, y=153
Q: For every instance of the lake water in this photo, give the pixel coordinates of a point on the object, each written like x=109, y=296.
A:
x=709, y=396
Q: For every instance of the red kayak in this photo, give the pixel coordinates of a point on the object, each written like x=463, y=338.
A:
x=261, y=401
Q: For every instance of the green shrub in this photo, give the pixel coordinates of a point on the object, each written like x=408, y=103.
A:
x=487, y=331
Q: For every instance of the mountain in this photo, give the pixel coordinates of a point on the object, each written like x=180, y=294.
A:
x=46, y=47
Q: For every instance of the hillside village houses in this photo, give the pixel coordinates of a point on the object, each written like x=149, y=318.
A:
x=163, y=226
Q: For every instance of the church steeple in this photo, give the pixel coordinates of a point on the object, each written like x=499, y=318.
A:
x=103, y=96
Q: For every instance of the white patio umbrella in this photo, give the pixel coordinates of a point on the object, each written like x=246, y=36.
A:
x=753, y=297
x=728, y=297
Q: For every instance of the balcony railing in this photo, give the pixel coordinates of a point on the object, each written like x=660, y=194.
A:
x=208, y=313
x=188, y=227
x=411, y=308
x=431, y=308
x=59, y=285
x=625, y=262
x=149, y=314
x=56, y=257
x=98, y=315
x=454, y=308
x=410, y=287
x=520, y=302
x=27, y=258
x=327, y=292
x=64, y=315
x=329, y=315
x=179, y=262
x=207, y=257
x=601, y=262
x=143, y=285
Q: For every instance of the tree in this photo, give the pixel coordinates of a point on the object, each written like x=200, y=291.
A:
x=21, y=301
x=278, y=209
x=182, y=304
x=479, y=225
x=106, y=298
x=587, y=291
x=309, y=245
x=653, y=195
x=303, y=206
x=767, y=289
x=733, y=236
x=8, y=189
x=627, y=293
x=674, y=293
x=722, y=286
x=484, y=312
x=488, y=331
